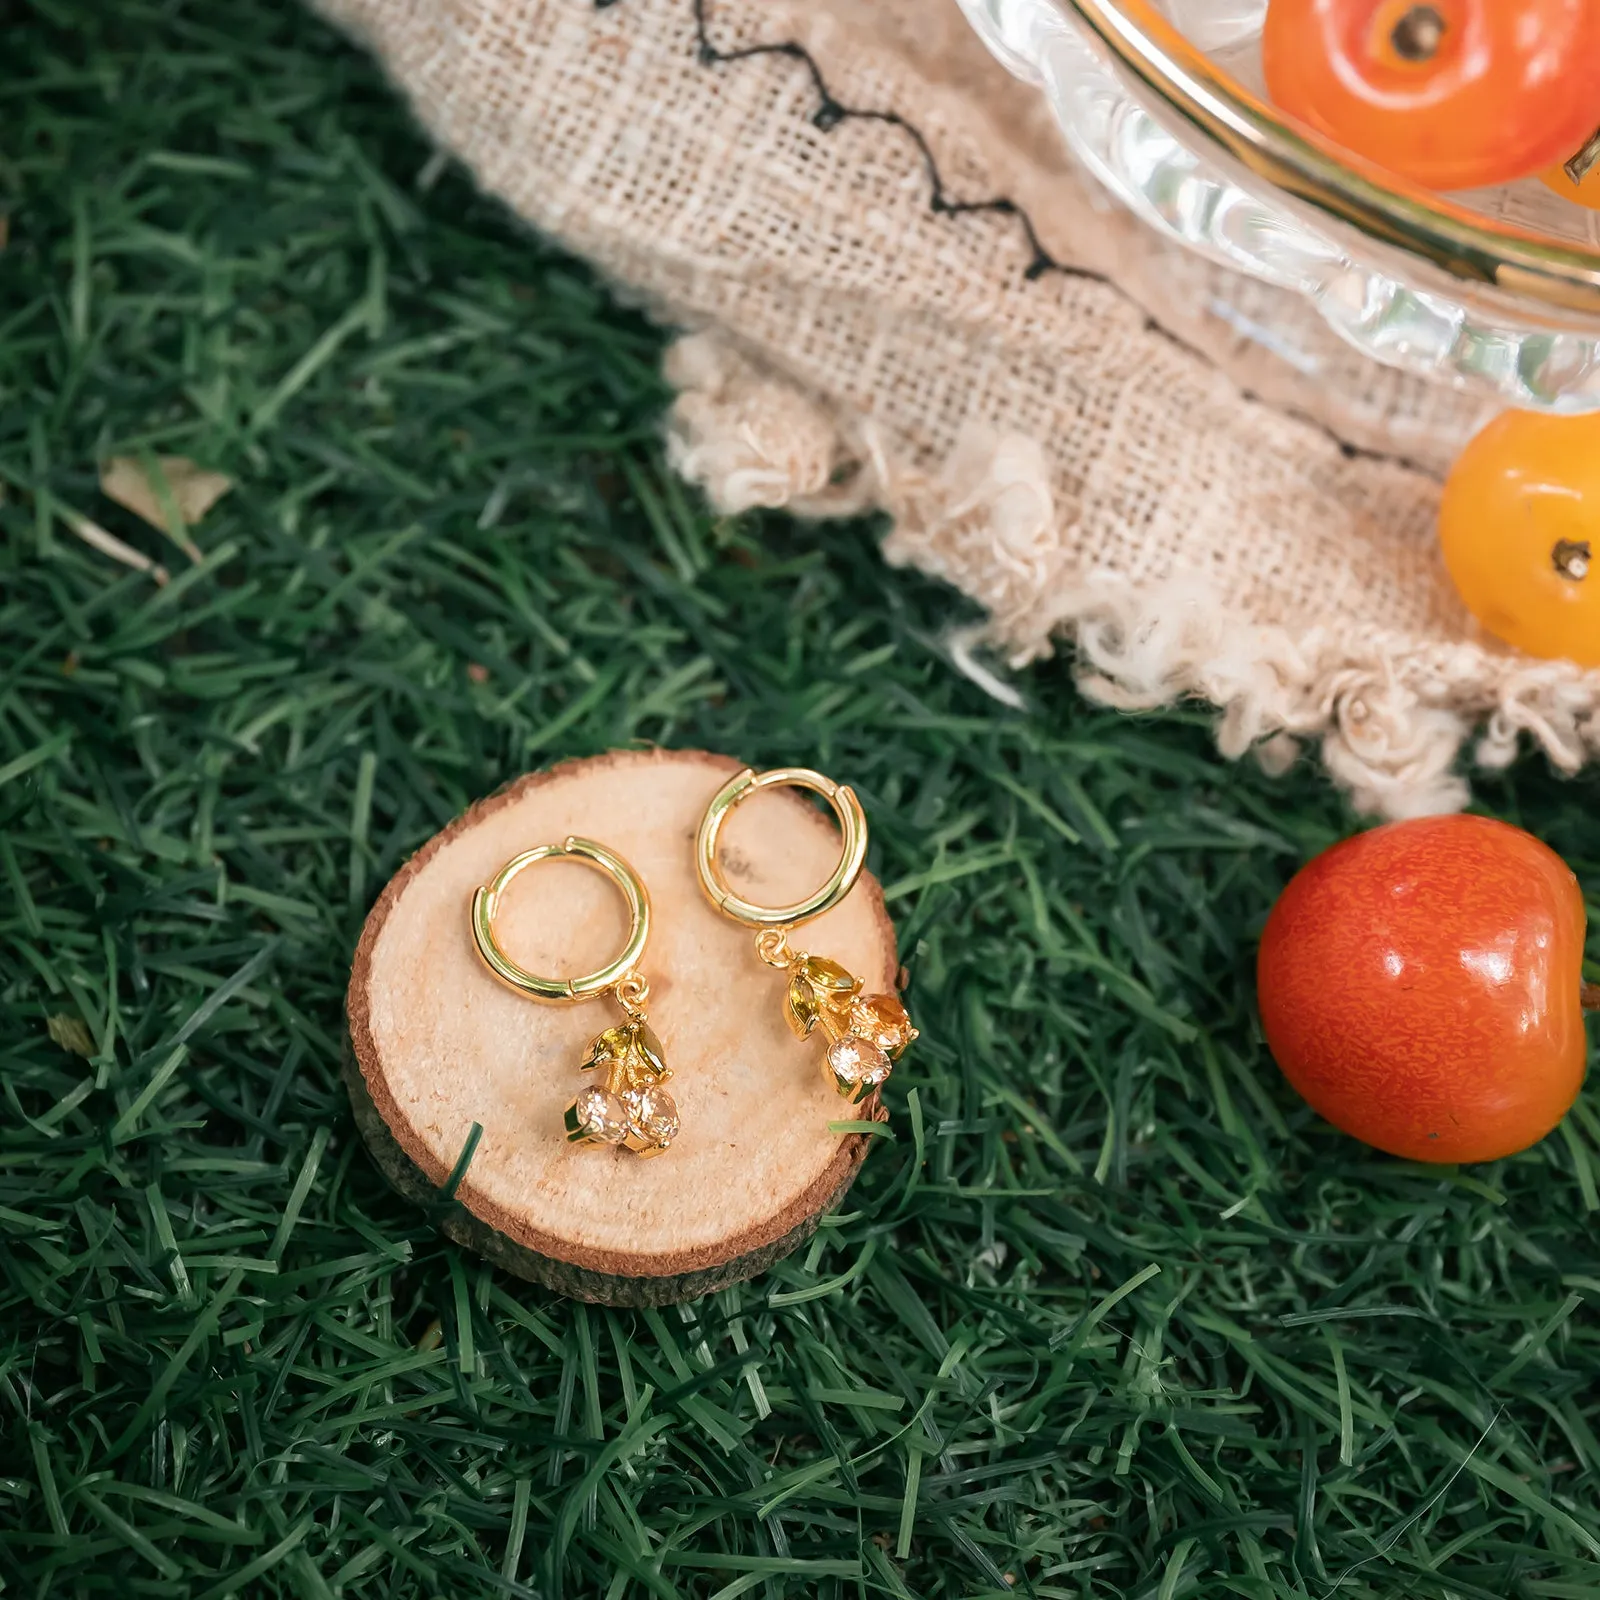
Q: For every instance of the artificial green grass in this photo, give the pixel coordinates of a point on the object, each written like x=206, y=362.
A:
x=1111, y=1315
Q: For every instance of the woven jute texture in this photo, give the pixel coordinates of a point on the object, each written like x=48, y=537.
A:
x=1063, y=418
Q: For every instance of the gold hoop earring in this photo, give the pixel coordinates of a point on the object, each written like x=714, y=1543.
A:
x=866, y=1033
x=629, y=1107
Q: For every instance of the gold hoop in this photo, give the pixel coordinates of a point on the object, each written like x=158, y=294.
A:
x=486, y=907
x=852, y=825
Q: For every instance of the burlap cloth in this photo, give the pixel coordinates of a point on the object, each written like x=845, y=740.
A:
x=1067, y=420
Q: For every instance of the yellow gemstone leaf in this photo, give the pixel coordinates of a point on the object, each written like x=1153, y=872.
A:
x=611, y=1045
x=828, y=977
x=801, y=1006
x=648, y=1048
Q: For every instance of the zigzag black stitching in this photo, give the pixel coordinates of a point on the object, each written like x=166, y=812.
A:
x=831, y=111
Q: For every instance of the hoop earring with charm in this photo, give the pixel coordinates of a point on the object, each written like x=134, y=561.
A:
x=866, y=1033
x=628, y=1107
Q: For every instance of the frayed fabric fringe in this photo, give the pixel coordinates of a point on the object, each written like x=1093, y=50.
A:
x=1391, y=719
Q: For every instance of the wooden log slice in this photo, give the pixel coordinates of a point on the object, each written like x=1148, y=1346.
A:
x=438, y=1044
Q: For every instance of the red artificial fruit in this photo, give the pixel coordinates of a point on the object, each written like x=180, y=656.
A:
x=1421, y=986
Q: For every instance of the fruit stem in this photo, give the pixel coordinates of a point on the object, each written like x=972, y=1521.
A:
x=1579, y=167
x=1418, y=34
x=1589, y=996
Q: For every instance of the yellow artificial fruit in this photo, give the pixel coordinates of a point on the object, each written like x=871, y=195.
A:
x=1519, y=525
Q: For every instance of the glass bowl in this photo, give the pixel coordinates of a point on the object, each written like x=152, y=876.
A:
x=1496, y=291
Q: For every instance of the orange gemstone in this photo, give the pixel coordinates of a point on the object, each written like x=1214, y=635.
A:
x=882, y=1020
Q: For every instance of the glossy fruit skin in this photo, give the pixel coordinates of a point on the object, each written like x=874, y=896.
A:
x=1509, y=92
x=1519, y=528
x=1586, y=194
x=1419, y=985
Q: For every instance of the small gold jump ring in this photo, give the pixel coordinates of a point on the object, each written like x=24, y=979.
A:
x=852, y=826
x=486, y=907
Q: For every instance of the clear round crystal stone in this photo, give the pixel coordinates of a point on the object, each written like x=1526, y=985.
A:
x=653, y=1115
x=857, y=1061
x=602, y=1115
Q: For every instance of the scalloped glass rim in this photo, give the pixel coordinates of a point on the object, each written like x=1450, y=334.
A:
x=1409, y=277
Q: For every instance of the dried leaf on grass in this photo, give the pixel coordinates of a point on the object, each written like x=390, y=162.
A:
x=70, y=1033
x=164, y=490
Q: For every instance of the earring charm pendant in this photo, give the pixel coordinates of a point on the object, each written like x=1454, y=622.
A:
x=628, y=1106
x=866, y=1033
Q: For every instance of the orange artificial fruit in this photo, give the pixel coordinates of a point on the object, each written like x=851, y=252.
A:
x=1452, y=94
